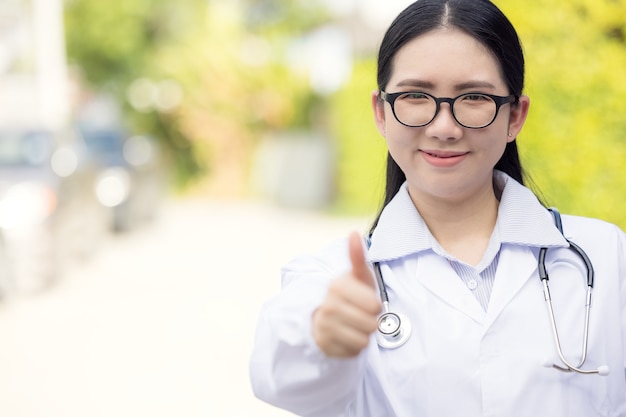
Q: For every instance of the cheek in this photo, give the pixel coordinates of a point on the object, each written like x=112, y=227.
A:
x=494, y=148
x=398, y=140
x=401, y=147
x=495, y=138
x=501, y=126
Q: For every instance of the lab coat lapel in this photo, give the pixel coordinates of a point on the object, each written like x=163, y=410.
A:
x=437, y=276
x=517, y=265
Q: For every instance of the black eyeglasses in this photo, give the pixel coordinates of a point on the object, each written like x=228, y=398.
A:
x=471, y=110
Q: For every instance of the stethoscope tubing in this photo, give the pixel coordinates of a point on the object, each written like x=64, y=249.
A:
x=397, y=337
x=543, y=275
x=380, y=283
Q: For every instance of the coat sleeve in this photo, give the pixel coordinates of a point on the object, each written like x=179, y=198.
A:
x=287, y=369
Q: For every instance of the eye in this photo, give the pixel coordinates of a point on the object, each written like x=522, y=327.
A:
x=475, y=97
x=416, y=96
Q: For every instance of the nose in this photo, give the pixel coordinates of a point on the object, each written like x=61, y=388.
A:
x=444, y=126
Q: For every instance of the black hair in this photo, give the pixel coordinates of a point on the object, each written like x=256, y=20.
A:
x=488, y=25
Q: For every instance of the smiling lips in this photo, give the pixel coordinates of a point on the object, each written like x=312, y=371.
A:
x=443, y=159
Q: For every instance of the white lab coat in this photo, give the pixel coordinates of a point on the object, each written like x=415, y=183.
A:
x=460, y=359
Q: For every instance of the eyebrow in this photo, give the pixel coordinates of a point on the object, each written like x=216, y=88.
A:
x=474, y=84
x=415, y=83
x=467, y=85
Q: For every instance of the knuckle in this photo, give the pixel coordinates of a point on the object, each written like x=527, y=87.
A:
x=372, y=326
x=337, y=285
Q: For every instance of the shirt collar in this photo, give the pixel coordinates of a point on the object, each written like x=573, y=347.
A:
x=522, y=220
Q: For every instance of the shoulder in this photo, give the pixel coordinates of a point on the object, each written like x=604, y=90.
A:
x=594, y=232
x=588, y=226
x=330, y=261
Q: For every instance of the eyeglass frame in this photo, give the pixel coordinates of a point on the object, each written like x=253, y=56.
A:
x=498, y=100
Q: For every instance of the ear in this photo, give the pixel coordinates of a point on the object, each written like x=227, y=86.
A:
x=519, y=112
x=378, y=106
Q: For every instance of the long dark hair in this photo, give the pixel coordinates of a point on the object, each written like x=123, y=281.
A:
x=487, y=24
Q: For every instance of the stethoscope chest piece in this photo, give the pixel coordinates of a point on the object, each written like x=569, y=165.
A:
x=393, y=330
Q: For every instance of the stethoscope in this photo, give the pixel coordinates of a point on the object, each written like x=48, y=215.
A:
x=394, y=329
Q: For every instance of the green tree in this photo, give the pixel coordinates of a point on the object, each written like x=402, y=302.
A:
x=116, y=43
x=574, y=142
x=228, y=57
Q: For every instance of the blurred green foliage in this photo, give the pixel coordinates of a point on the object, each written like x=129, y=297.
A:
x=237, y=86
x=226, y=56
x=574, y=142
x=116, y=43
x=362, y=151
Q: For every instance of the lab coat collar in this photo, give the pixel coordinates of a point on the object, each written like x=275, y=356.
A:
x=522, y=220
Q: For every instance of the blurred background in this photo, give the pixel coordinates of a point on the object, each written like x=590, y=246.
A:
x=148, y=148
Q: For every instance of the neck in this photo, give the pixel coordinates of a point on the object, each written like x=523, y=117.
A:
x=462, y=227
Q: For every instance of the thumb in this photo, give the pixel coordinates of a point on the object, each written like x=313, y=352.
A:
x=360, y=267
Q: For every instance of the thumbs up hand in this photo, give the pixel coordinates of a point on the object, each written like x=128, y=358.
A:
x=344, y=321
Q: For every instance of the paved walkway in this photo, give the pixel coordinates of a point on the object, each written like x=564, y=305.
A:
x=160, y=322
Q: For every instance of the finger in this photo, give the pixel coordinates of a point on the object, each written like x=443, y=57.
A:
x=337, y=339
x=348, y=291
x=360, y=312
x=360, y=267
x=358, y=319
x=350, y=344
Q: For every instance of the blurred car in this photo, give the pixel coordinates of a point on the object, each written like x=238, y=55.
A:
x=49, y=215
x=131, y=182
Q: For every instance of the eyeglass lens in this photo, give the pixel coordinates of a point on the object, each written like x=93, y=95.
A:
x=470, y=110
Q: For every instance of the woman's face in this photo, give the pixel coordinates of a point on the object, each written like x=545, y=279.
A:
x=444, y=160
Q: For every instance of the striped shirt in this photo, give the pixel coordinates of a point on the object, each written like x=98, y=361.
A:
x=480, y=283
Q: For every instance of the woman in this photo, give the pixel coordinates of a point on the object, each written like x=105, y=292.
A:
x=458, y=243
